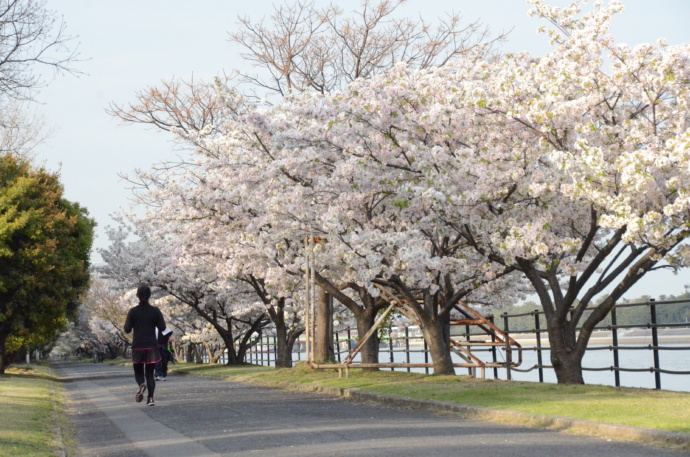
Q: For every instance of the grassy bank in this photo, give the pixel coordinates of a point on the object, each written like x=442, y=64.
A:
x=661, y=410
x=27, y=396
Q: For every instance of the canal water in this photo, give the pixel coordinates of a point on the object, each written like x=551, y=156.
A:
x=669, y=359
x=674, y=356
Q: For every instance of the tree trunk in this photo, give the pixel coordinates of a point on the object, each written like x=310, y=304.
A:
x=365, y=316
x=292, y=336
x=209, y=353
x=283, y=341
x=370, y=350
x=323, y=329
x=434, y=335
x=216, y=354
x=196, y=353
x=566, y=360
x=178, y=350
x=244, y=343
x=3, y=355
x=568, y=367
x=283, y=350
x=226, y=336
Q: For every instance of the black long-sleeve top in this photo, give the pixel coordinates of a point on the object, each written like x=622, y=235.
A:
x=144, y=319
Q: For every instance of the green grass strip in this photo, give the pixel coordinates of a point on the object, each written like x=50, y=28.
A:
x=660, y=410
x=26, y=404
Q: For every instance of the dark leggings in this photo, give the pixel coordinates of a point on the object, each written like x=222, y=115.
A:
x=139, y=376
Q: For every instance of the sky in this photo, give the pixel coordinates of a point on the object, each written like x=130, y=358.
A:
x=129, y=45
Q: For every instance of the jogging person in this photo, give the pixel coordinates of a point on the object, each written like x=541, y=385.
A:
x=144, y=319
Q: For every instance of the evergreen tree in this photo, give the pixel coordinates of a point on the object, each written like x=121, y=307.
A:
x=45, y=242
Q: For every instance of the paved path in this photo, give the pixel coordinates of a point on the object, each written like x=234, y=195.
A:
x=196, y=417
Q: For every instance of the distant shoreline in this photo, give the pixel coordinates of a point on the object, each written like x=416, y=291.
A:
x=605, y=337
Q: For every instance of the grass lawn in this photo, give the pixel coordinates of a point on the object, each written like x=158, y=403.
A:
x=662, y=410
x=26, y=406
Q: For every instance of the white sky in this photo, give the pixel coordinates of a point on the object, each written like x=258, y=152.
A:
x=133, y=44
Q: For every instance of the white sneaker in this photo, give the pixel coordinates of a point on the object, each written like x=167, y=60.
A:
x=163, y=378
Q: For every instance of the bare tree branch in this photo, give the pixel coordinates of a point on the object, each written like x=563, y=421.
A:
x=31, y=36
x=302, y=47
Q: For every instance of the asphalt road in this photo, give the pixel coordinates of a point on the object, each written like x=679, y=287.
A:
x=196, y=417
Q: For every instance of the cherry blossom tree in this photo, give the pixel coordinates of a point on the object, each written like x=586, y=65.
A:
x=590, y=178
x=564, y=168
x=301, y=48
x=566, y=171
x=105, y=309
x=337, y=172
x=228, y=307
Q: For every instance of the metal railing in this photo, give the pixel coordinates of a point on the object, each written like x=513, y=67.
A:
x=653, y=325
x=407, y=345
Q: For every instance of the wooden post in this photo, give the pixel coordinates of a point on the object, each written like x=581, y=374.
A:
x=323, y=324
